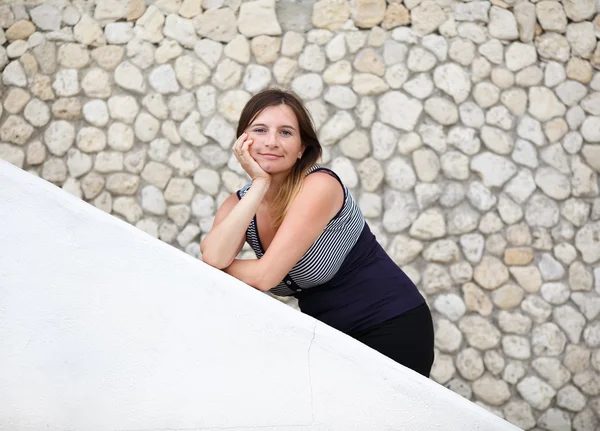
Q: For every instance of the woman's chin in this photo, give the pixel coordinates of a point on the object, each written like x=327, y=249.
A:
x=269, y=167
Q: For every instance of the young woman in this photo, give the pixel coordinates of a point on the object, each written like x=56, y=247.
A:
x=310, y=238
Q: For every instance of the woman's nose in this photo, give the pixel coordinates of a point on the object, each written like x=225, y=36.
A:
x=271, y=140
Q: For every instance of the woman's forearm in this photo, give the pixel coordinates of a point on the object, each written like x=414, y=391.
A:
x=219, y=248
x=250, y=271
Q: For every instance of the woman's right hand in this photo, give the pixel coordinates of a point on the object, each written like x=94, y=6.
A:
x=241, y=150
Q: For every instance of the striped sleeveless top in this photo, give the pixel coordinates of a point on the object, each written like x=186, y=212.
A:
x=324, y=258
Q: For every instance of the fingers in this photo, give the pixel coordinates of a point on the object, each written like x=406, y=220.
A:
x=246, y=145
x=237, y=146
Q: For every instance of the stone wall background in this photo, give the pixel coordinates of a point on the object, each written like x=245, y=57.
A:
x=469, y=131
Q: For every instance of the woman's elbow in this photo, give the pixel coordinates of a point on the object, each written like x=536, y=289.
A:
x=263, y=284
x=208, y=259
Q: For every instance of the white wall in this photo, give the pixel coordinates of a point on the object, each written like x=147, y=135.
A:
x=103, y=327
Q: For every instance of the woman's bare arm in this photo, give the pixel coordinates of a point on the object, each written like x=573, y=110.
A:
x=226, y=237
x=317, y=203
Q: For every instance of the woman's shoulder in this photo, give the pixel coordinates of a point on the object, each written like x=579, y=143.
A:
x=322, y=169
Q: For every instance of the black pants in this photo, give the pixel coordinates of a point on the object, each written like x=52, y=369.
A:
x=407, y=339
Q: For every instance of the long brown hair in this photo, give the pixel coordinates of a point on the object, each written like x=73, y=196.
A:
x=308, y=136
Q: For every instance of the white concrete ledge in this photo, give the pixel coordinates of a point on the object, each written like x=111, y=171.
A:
x=103, y=327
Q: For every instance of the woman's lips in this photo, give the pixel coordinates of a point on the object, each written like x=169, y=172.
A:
x=271, y=156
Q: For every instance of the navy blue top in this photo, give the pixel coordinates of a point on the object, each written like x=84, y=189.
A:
x=368, y=289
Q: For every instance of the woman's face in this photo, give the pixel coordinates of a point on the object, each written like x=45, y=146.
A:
x=276, y=137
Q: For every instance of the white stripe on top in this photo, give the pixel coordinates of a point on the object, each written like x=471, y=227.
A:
x=323, y=259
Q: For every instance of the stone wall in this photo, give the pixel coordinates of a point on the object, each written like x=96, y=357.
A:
x=468, y=131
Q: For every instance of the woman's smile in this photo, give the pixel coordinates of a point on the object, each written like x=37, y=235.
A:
x=270, y=156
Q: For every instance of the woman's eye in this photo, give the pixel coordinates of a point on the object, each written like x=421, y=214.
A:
x=258, y=130
x=287, y=133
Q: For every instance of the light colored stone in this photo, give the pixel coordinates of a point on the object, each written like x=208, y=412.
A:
x=336, y=128
x=502, y=78
x=472, y=11
x=399, y=111
x=519, y=56
x=209, y=51
x=66, y=83
x=167, y=51
x=476, y=300
x=181, y=30
x=179, y=190
x=571, y=399
x=462, y=219
x=72, y=55
x=453, y=80
x=88, y=32
x=503, y=169
x=366, y=84
x=130, y=77
x=220, y=24
x=555, y=419
x=553, y=183
x=427, y=17
x=400, y=208
x=480, y=333
x=550, y=268
x=570, y=321
x=36, y=153
x=265, y=48
x=493, y=391
x=580, y=10
x=555, y=293
x=552, y=370
x=123, y=108
x=490, y=273
x=447, y=336
x=480, y=196
x=519, y=412
x=293, y=42
x=20, y=30
x=128, y=208
x=122, y=184
x=91, y=139
x=581, y=38
x=395, y=15
x=341, y=97
x=429, y=225
x=544, y=105
x=503, y=24
x=330, y=14
x=587, y=242
x=526, y=20
x=580, y=277
x=37, y=113
x=514, y=322
x=46, y=17
x=96, y=83
x=238, y=49
x=590, y=129
x=108, y=57
x=553, y=46
x=163, y=79
x=548, y=340
x=536, y=392
x=571, y=92
x=59, y=137
x=551, y=16
x=371, y=174
x=470, y=364
x=190, y=130
x=442, y=369
x=455, y=165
